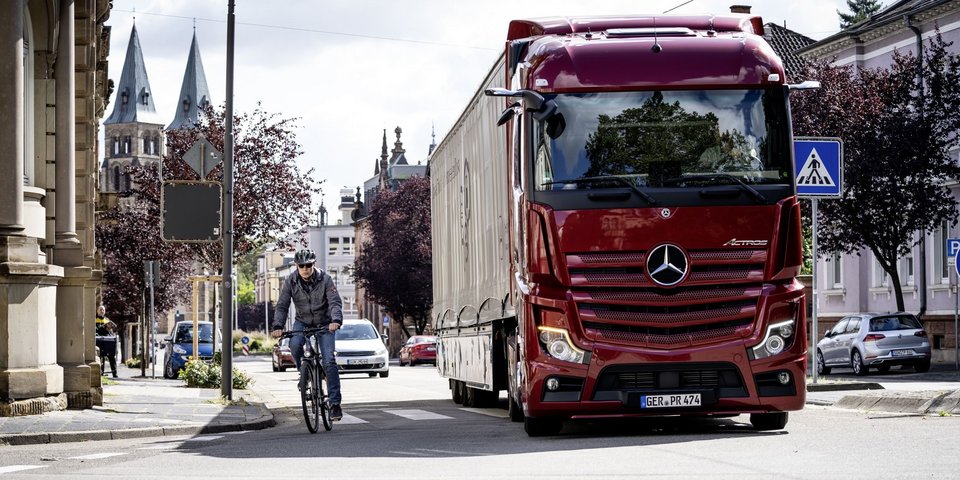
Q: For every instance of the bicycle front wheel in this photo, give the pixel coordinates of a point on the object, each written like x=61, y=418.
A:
x=324, y=400
x=309, y=395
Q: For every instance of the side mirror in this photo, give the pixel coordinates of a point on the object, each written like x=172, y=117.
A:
x=167, y=339
x=828, y=334
x=384, y=337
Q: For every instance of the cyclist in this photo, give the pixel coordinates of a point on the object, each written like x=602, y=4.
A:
x=317, y=304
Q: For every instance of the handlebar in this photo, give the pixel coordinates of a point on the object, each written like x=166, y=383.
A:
x=306, y=331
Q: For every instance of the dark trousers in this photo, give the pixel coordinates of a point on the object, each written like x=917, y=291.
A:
x=108, y=351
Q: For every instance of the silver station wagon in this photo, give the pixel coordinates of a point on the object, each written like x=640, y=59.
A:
x=874, y=340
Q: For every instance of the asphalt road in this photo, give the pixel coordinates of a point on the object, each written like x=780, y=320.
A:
x=405, y=426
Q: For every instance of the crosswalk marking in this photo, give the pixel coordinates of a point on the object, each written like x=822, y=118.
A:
x=350, y=420
x=413, y=414
x=97, y=456
x=18, y=468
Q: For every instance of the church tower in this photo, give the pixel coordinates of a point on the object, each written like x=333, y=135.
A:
x=194, y=94
x=133, y=133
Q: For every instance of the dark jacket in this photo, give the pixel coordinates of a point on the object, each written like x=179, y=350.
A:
x=317, y=301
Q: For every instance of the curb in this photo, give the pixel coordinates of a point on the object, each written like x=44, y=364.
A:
x=835, y=387
x=266, y=421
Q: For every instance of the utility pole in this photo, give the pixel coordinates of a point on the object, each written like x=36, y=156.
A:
x=226, y=355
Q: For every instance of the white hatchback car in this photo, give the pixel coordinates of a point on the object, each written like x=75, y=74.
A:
x=360, y=349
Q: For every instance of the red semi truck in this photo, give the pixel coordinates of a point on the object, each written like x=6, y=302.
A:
x=624, y=238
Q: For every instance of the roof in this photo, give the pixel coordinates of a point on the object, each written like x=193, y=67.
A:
x=134, y=100
x=193, y=92
x=786, y=43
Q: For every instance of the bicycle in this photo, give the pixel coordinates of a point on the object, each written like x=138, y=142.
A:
x=313, y=396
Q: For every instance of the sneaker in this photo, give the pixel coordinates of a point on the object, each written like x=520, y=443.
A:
x=335, y=413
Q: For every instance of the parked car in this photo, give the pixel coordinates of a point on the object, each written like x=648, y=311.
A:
x=419, y=349
x=360, y=349
x=282, y=358
x=179, y=346
x=874, y=340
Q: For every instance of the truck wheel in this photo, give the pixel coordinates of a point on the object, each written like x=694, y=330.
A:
x=514, y=410
x=456, y=391
x=544, y=426
x=469, y=396
x=768, y=421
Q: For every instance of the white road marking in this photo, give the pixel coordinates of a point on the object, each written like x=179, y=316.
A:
x=97, y=456
x=18, y=468
x=160, y=447
x=414, y=414
x=490, y=412
x=205, y=438
x=349, y=420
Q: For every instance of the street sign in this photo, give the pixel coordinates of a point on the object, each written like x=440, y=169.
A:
x=956, y=265
x=245, y=340
x=202, y=157
x=819, y=168
x=386, y=320
x=953, y=246
x=191, y=211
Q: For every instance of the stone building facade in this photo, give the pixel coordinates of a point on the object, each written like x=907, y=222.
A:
x=53, y=92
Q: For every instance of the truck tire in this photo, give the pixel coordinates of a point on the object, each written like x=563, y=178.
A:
x=543, y=426
x=769, y=421
x=456, y=391
x=514, y=410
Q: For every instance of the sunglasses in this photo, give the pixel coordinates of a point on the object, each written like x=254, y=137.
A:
x=305, y=265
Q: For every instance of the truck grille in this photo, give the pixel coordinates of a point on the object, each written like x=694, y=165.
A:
x=616, y=302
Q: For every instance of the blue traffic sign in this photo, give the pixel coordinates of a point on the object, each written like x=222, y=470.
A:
x=956, y=264
x=245, y=340
x=819, y=166
x=953, y=247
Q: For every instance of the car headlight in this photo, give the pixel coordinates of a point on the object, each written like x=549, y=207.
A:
x=382, y=351
x=779, y=336
x=556, y=342
x=179, y=349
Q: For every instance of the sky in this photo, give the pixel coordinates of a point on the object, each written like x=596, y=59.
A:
x=349, y=69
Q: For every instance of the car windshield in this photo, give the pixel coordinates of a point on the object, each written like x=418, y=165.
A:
x=900, y=322
x=357, y=331
x=673, y=139
x=185, y=333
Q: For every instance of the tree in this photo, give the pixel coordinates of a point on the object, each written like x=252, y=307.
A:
x=897, y=142
x=860, y=10
x=270, y=192
x=394, y=266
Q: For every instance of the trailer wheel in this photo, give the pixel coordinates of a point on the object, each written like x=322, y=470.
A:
x=469, y=396
x=540, y=427
x=456, y=391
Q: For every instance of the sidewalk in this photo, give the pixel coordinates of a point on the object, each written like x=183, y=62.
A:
x=135, y=407
x=936, y=392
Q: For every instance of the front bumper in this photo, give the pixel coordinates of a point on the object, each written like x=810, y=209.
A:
x=363, y=364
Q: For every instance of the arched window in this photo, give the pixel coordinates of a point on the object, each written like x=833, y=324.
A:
x=116, y=178
x=126, y=182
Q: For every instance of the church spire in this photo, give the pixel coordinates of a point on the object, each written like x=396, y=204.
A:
x=194, y=93
x=134, y=100
x=433, y=140
x=383, y=153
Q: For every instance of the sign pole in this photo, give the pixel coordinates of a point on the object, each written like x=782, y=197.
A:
x=226, y=372
x=813, y=317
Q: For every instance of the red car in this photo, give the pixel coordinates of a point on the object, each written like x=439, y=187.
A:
x=419, y=349
x=282, y=358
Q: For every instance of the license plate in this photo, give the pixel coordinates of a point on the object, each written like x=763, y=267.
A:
x=670, y=401
x=901, y=353
x=359, y=361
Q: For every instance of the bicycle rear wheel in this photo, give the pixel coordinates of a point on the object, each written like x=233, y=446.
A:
x=324, y=400
x=309, y=396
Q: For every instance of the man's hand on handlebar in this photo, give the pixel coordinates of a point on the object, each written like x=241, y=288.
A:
x=333, y=327
x=276, y=333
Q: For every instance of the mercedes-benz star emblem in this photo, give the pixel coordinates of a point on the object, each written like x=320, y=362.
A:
x=667, y=264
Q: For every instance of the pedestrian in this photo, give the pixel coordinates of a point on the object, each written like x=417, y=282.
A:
x=317, y=304
x=106, y=342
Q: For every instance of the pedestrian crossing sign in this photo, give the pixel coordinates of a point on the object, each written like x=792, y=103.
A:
x=819, y=166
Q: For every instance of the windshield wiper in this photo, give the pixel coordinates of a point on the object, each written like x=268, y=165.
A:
x=757, y=196
x=607, y=178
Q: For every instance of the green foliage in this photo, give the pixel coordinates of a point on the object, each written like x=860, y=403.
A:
x=200, y=374
x=260, y=342
x=133, y=362
x=245, y=294
x=860, y=10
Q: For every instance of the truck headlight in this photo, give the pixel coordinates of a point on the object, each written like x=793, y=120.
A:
x=779, y=336
x=556, y=342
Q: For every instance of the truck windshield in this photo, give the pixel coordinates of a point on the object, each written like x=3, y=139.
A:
x=670, y=139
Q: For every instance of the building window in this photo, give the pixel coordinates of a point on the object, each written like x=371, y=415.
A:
x=880, y=276
x=348, y=246
x=116, y=178
x=347, y=275
x=907, y=270
x=146, y=145
x=834, y=272
x=126, y=145
x=334, y=247
x=156, y=145
x=939, y=342
x=334, y=275
x=940, y=254
x=349, y=304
